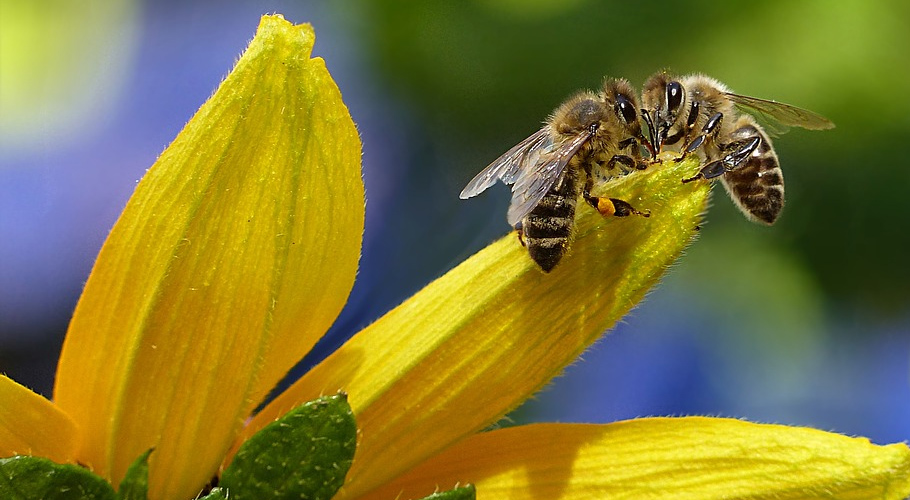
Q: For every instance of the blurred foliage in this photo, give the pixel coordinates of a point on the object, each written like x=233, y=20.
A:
x=485, y=73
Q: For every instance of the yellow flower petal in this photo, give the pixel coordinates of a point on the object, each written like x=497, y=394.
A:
x=32, y=425
x=234, y=255
x=477, y=342
x=674, y=458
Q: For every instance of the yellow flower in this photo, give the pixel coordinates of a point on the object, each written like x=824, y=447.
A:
x=238, y=250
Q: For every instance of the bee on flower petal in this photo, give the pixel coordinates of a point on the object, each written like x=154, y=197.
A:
x=697, y=113
x=591, y=136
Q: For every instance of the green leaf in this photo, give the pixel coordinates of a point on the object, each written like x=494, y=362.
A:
x=216, y=494
x=304, y=454
x=36, y=478
x=462, y=493
x=135, y=485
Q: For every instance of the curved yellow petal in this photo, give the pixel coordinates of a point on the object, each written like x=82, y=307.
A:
x=32, y=425
x=475, y=343
x=674, y=458
x=234, y=255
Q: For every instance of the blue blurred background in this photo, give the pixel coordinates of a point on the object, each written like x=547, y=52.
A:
x=805, y=323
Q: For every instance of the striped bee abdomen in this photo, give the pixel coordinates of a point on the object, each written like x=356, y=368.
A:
x=757, y=184
x=547, y=229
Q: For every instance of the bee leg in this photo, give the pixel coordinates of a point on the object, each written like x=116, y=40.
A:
x=635, y=145
x=671, y=139
x=685, y=132
x=614, y=207
x=711, y=128
x=519, y=230
x=709, y=171
x=594, y=201
x=609, y=206
x=628, y=161
x=738, y=152
x=618, y=208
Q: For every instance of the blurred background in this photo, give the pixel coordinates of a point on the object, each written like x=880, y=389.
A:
x=806, y=322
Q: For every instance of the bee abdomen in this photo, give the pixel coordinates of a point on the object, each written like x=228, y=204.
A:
x=548, y=227
x=548, y=238
x=757, y=185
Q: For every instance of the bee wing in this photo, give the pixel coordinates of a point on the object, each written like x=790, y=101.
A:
x=541, y=170
x=507, y=166
x=777, y=116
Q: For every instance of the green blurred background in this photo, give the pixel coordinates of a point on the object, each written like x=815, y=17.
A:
x=806, y=322
x=485, y=73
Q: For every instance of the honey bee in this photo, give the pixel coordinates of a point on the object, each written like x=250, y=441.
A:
x=697, y=111
x=590, y=136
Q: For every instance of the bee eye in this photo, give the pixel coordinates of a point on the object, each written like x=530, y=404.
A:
x=674, y=96
x=626, y=109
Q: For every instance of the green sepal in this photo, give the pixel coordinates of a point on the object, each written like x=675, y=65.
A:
x=37, y=478
x=304, y=454
x=135, y=485
x=461, y=493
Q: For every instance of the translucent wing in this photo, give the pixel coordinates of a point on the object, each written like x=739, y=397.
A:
x=542, y=169
x=507, y=166
x=775, y=114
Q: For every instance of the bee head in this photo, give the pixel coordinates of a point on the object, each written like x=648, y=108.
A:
x=622, y=99
x=663, y=98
